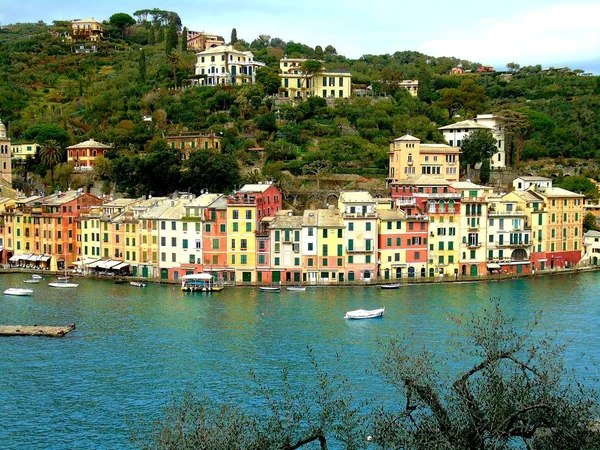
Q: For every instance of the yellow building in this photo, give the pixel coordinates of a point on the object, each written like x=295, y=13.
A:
x=295, y=83
x=224, y=64
x=564, y=233
x=241, y=242
x=330, y=264
x=188, y=143
x=5, y=159
x=412, y=86
x=23, y=150
x=410, y=158
x=90, y=245
x=87, y=30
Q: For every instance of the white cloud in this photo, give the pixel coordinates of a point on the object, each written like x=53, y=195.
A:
x=548, y=35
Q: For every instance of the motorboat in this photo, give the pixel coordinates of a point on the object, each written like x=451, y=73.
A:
x=137, y=284
x=35, y=276
x=21, y=292
x=365, y=313
x=65, y=278
x=296, y=288
x=63, y=284
x=32, y=280
x=270, y=288
x=390, y=286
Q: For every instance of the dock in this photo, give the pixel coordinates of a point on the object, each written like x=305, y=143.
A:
x=35, y=330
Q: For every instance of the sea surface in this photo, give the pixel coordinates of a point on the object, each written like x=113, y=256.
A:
x=135, y=349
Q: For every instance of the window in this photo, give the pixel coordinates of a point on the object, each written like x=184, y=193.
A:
x=215, y=244
x=311, y=231
x=368, y=226
x=261, y=259
x=243, y=259
x=243, y=244
x=235, y=227
x=173, y=242
x=325, y=250
x=248, y=226
x=310, y=247
x=235, y=214
x=325, y=233
x=350, y=226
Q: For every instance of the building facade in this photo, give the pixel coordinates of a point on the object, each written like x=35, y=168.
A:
x=83, y=155
x=224, y=64
x=296, y=83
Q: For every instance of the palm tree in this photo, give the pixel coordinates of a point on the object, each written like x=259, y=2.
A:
x=50, y=155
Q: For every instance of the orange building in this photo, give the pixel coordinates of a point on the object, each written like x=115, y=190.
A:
x=189, y=142
x=83, y=155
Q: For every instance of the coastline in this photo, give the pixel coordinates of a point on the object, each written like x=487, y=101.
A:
x=375, y=283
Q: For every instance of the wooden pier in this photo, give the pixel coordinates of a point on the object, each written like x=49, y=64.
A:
x=35, y=330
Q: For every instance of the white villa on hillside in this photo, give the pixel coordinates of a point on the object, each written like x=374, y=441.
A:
x=456, y=132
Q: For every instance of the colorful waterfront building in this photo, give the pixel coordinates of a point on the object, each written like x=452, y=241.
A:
x=285, y=231
x=309, y=242
x=537, y=220
x=206, y=218
x=329, y=265
x=360, y=226
x=441, y=203
x=245, y=211
x=564, y=233
x=509, y=240
x=148, y=211
x=473, y=230
x=391, y=251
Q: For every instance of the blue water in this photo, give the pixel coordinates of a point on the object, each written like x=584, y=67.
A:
x=135, y=349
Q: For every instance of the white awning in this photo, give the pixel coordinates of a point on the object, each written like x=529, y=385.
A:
x=45, y=258
x=95, y=264
x=85, y=262
x=111, y=263
x=15, y=258
x=120, y=266
x=493, y=266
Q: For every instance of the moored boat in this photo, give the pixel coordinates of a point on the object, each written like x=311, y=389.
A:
x=137, y=284
x=296, y=288
x=21, y=292
x=35, y=276
x=33, y=280
x=365, y=313
x=390, y=286
x=63, y=284
x=270, y=288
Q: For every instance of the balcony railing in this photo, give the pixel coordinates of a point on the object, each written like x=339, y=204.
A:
x=359, y=250
x=491, y=212
x=360, y=215
x=440, y=195
x=406, y=201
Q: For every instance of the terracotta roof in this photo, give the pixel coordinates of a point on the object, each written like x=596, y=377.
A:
x=89, y=144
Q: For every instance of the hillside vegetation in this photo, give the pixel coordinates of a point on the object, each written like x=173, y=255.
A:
x=47, y=90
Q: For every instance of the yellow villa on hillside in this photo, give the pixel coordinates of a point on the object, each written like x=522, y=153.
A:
x=295, y=83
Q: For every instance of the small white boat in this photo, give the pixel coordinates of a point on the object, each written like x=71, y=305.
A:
x=63, y=284
x=390, y=286
x=296, y=288
x=33, y=280
x=270, y=288
x=18, y=291
x=65, y=278
x=137, y=284
x=35, y=276
x=365, y=313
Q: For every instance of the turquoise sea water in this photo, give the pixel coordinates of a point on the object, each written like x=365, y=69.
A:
x=134, y=349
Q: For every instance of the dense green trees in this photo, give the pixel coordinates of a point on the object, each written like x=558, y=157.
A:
x=477, y=146
x=107, y=94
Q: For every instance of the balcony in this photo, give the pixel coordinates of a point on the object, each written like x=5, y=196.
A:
x=360, y=215
x=403, y=201
x=359, y=250
x=518, y=244
x=441, y=195
x=474, y=199
x=417, y=217
x=493, y=213
x=474, y=244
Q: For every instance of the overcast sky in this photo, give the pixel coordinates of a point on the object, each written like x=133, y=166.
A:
x=550, y=33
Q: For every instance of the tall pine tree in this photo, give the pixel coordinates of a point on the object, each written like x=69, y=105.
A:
x=142, y=68
x=184, y=34
x=233, y=36
x=172, y=39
